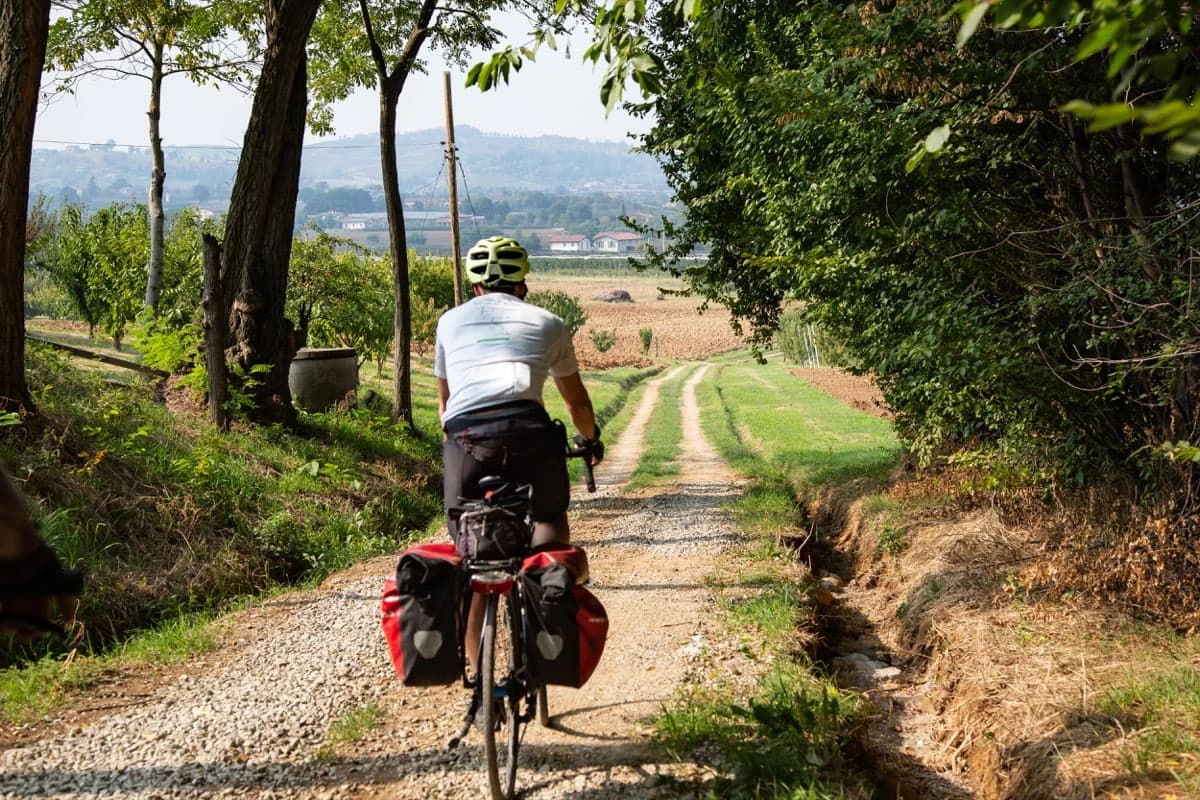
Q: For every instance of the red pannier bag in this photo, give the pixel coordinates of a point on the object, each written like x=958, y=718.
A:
x=568, y=625
x=421, y=615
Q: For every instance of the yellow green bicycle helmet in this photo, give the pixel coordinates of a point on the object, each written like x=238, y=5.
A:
x=496, y=260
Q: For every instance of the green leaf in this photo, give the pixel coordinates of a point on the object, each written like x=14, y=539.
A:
x=937, y=138
x=1103, y=117
x=916, y=158
x=473, y=74
x=1100, y=38
x=971, y=23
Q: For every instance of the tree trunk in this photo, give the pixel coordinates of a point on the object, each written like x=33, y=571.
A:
x=390, y=87
x=216, y=323
x=262, y=209
x=23, y=29
x=158, y=175
x=402, y=336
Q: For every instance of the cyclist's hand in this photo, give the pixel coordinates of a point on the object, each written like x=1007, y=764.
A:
x=595, y=448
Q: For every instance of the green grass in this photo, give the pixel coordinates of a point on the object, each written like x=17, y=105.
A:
x=663, y=437
x=27, y=692
x=789, y=439
x=774, y=607
x=1161, y=712
x=350, y=728
x=612, y=392
x=786, y=741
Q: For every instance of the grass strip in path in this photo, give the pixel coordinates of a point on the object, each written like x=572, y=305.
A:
x=785, y=737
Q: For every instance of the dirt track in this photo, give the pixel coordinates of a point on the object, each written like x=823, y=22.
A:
x=251, y=719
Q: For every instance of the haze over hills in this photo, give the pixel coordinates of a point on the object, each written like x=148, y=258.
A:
x=98, y=174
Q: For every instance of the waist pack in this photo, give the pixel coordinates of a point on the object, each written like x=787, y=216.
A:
x=568, y=625
x=421, y=615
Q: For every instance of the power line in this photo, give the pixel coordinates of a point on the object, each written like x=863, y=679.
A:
x=413, y=145
x=474, y=217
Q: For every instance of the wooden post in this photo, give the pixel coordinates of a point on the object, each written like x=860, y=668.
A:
x=455, y=250
x=216, y=327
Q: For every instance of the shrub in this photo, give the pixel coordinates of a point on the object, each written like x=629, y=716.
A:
x=564, y=305
x=603, y=340
x=647, y=336
x=804, y=342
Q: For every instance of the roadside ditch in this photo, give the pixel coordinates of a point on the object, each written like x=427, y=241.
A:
x=978, y=687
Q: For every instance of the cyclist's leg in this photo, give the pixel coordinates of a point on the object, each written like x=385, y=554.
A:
x=551, y=491
x=474, y=624
x=552, y=530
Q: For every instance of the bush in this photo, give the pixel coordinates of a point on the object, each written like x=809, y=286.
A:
x=804, y=342
x=431, y=284
x=564, y=305
x=647, y=336
x=603, y=340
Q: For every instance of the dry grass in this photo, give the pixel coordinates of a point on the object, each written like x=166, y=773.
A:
x=1017, y=686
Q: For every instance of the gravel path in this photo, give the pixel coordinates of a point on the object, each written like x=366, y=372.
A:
x=254, y=721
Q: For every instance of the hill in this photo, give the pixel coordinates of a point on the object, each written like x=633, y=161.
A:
x=98, y=175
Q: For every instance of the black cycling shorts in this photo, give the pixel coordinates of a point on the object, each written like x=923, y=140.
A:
x=517, y=441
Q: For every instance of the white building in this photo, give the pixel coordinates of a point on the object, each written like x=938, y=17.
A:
x=617, y=242
x=569, y=243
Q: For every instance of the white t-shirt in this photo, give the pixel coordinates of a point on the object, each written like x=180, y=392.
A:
x=496, y=348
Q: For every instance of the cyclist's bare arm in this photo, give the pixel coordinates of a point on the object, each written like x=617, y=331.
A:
x=443, y=398
x=579, y=406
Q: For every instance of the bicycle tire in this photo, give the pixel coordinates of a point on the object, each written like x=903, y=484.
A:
x=515, y=726
x=496, y=715
x=543, y=707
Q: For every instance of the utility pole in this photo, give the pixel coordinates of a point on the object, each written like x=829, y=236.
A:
x=455, y=250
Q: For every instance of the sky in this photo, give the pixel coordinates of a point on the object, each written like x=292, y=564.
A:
x=553, y=95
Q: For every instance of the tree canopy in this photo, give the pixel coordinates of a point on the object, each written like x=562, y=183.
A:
x=1028, y=287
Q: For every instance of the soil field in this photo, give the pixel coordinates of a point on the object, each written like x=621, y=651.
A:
x=679, y=330
x=856, y=391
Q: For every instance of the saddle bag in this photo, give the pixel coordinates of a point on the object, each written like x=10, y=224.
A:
x=422, y=615
x=491, y=533
x=568, y=626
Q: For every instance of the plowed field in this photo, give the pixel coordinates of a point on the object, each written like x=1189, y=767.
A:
x=679, y=329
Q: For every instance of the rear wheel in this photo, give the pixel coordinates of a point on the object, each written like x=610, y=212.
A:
x=500, y=706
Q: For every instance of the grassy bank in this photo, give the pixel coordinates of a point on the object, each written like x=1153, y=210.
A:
x=786, y=737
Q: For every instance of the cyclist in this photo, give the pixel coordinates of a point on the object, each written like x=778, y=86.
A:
x=492, y=356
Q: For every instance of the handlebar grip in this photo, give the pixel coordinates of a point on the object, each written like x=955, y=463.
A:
x=588, y=474
x=585, y=455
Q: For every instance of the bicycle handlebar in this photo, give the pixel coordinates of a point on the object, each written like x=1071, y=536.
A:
x=584, y=453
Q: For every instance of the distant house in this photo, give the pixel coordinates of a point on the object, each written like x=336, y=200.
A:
x=617, y=242
x=376, y=220
x=569, y=243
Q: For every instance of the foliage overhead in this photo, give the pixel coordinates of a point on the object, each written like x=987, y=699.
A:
x=1027, y=288
x=213, y=42
x=1151, y=52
